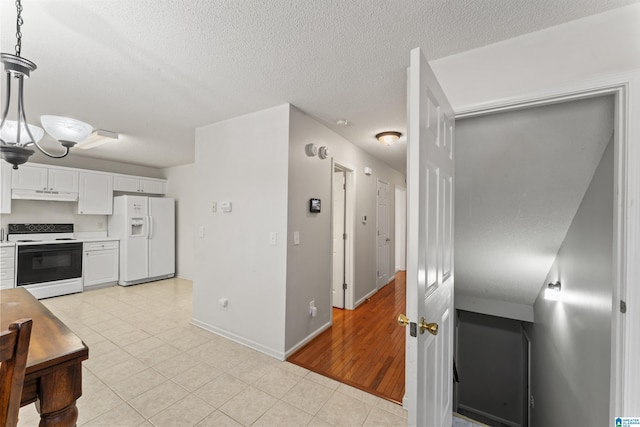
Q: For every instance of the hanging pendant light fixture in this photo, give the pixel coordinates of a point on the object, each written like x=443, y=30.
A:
x=16, y=136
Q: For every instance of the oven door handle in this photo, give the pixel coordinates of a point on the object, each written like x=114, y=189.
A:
x=56, y=248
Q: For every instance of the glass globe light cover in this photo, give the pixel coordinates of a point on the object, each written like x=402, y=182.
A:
x=9, y=133
x=66, y=129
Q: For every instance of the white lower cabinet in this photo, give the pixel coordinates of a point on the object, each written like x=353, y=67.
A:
x=100, y=264
x=7, y=270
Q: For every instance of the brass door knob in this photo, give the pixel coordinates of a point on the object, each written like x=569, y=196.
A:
x=431, y=327
x=403, y=320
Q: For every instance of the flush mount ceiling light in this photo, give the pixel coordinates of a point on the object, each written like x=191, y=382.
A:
x=388, y=138
x=97, y=138
x=16, y=136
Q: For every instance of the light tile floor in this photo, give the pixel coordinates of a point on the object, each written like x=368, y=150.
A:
x=148, y=366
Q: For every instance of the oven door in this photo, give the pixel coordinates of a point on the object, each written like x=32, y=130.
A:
x=48, y=263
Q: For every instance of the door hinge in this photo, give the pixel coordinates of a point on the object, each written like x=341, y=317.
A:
x=344, y=286
x=344, y=236
x=623, y=307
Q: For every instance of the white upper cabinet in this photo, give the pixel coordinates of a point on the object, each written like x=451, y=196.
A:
x=132, y=184
x=32, y=177
x=96, y=194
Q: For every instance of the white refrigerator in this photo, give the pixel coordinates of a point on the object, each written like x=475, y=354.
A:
x=146, y=229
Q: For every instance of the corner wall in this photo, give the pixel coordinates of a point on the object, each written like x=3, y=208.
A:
x=244, y=161
x=571, y=338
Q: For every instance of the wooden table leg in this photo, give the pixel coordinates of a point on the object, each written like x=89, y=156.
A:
x=57, y=395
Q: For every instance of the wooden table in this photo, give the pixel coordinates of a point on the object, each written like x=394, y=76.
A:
x=54, y=365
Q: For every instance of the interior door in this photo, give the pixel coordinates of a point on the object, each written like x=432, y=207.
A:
x=430, y=187
x=339, y=190
x=383, y=238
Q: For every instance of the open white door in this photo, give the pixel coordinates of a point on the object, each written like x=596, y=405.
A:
x=429, y=355
x=339, y=279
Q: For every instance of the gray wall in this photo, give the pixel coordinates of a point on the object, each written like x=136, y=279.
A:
x=491, y=365
x=571, y=338
x=309, y=264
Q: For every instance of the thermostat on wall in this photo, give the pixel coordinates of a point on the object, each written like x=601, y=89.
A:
x=226, y=206
x=314, y=205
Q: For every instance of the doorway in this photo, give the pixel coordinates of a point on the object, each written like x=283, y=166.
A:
x=343, y=202
x=382, y=236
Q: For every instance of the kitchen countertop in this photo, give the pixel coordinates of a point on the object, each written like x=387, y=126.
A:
x=98, y=239
x=7, y=244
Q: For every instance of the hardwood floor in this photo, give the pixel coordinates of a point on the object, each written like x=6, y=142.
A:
x=365, y=347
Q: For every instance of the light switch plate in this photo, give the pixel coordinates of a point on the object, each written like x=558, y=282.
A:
x=273, y=238
x=226, y=206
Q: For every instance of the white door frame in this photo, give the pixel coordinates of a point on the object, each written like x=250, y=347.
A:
x=380, y=285
x=349, y=226
x=625, y=341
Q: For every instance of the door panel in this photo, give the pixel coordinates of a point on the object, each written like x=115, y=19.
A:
x=430, y=267
x=161, y=236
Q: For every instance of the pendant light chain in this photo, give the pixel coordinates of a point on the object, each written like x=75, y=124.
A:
x=19, y=23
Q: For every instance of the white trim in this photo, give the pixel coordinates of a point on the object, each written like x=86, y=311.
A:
x=491, y=417
x=239, y=339
x=307, y=340
x=184, y=276
x=625, y=346
x=364, y=298
x=378, y=181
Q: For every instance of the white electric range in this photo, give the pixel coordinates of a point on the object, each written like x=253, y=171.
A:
x=48, y=258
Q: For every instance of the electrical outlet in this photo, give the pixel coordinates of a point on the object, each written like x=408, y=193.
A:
x=214, y=207
x=273, y=238
x=533, y=403
x=224, y=303
x=312, y=305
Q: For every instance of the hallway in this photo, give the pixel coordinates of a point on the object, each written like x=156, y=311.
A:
x=365, y=347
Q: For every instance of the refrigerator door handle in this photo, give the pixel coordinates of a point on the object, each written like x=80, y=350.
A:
x=150, y=229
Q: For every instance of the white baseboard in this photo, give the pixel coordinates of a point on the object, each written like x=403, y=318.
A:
x=306, y=340
x=185, y=276
x=490, y=416
x=364, y=298
x=240, y=340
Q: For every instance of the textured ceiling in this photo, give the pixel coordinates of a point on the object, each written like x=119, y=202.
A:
x=520, y=177
x=155, y=70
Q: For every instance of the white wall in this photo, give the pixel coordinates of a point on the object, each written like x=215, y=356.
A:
x=244, y=161
x=180, y=186
x=73, y=160
x=603, y=44
x=37, y=211
x=571, y=338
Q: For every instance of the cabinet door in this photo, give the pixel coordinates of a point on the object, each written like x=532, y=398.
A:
x=100, y=267
x=96, y=194
x=6, y=267
x=5, y=187
x=151, y=186
x=63, y=180
x=125, y=183
x=30, y=178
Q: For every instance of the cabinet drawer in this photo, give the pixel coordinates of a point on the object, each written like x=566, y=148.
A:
x=6, y=263
x=98, y=246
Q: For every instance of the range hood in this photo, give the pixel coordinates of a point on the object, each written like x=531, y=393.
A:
x=59, y=196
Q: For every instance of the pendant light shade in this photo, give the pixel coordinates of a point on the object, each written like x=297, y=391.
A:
x=9, y=133
x=66, y=130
